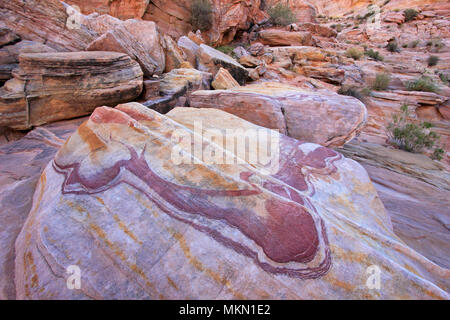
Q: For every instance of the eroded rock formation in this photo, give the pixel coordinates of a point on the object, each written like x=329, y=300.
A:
x=307, y=228
x=324, y=118
x=55, y=86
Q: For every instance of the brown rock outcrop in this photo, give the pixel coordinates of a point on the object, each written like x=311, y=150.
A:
x=139, y=39
x=211, y=60
x=190, y=49
x=56, y=86
x=9, y=56
x=224, y=80
x=176, y=86
x=174, y=55
x=322, y=117
x=46, y=22
x=279, y=37
x=122, y=9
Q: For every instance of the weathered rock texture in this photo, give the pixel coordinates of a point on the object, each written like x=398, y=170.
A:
x=278, y=37
x=140, y=40
x=9, y=55
x=122, y=9
x=176, y=86
x=56, y=86
x=224, y=80
x=416, y=193
x=173, y=16
x=320, y=117
x=211, y=60
x=21, y=164
x=44, y=22
x=114, y=203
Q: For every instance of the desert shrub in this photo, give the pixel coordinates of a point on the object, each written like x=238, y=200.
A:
x=354, y=92
x=226, y=49
x=424, y=83
x=414, y=44
x=435, y=44
x=432, y=61
x=392, y=46
x=410, y=14
x=381, y=82
x=444, y=78
x=280, y=14
x=354, y=53
x=201, y=15
x=437, y=154
x=374, y=55
x=337, y=27
x=409, y=136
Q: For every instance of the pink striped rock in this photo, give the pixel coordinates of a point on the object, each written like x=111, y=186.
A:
x=115, y=205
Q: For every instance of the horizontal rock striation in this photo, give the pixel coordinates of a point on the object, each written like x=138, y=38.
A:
x=56, y=86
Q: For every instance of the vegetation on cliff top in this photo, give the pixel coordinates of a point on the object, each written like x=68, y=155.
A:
x=201, y=15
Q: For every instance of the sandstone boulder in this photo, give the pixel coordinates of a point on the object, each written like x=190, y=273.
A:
x=7, y=36
x=278, y=37
x=320, y=117
x=224, y=80
x=394, y=17
x=54, y=86
x=174, y=55
x=176, y=86
x=211, y=60
x=190, y=49
x=256, y=49
x=140, y=226
x=317, y=29
x=138, y=39
x=9, y=56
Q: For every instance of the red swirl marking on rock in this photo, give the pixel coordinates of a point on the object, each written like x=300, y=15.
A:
x=287, y=234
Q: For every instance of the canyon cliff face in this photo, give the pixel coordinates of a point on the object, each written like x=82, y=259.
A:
x=173, y=17
x=231, y=16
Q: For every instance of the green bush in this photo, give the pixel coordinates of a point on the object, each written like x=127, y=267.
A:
x=409, y=136
x=437, y=154
x=226, y=49
x=392, y=46
x=432, y=61
x=354, y=53
x=280, y=14
x=201, y=15
x=374, y=55
x=410, y=14
x=424, y=83
x=444, y=78
x=381, y=82
x=414, y=44
x=354, y=92
x=337, y=27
